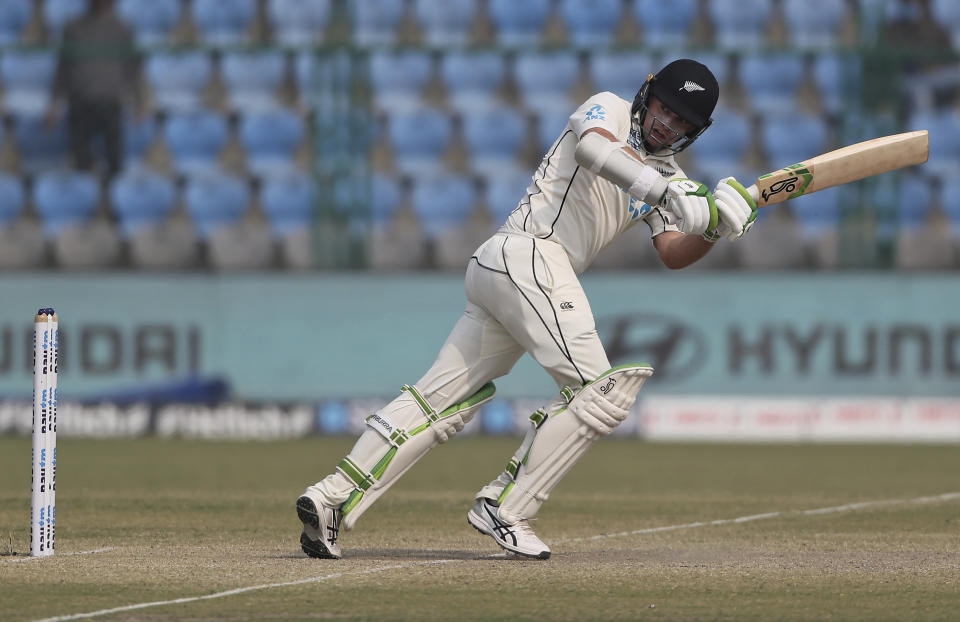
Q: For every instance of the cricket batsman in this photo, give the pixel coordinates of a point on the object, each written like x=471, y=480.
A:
x=612, y=167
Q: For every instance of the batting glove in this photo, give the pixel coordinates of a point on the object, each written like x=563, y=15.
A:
x=737, y=209
x=693, y=204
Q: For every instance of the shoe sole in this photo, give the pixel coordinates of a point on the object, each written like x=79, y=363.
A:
x=308, y=515
x=481, y=525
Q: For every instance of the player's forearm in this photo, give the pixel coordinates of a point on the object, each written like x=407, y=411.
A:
x=678, y=250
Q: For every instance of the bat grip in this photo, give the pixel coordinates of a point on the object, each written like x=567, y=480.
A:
x=755, y=194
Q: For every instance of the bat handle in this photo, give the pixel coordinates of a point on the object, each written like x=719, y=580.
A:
x=755, y=194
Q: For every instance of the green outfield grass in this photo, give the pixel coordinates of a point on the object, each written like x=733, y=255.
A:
x=183, y=519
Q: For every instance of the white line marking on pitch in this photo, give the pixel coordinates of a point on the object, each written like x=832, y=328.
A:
x=950, y=496
x=338, y=575
x=59, y=555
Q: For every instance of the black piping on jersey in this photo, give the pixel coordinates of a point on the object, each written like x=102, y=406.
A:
x=477, y=259
x=545, y=169
x=560, y=346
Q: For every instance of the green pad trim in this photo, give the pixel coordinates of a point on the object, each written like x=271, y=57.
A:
x=503, y=495
x=538, y=417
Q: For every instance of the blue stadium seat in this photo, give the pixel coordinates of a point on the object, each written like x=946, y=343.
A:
x=12, y=198
x=442, y=201
x=665, y=24
x=472, y=78
x=740, y=25
x=253, y=78
x=271, y=139
x=216, y=200
x=814, y=25
x=944, y=128
x=545, y=79
x=139, y=135
x=56, y=14
x=298, y=22
x=398, y=78
x=505, y=192
x=494, y=139
x=65, y=198
x=950, y=199
x=549, y=124
x=721, y=150
x=590, y=22
x=178, y=79
x=445, y=22
x=289, y=202
x=223, y=23
x=914, y=200
x=386, y=195
x=141, y=198
x=817, y=214
x=195, y=139
x=947, y=14
x=519, y=23
x=14, y=17
x=835, y=76
x=790, y=138
x=419, y=139
x=621, y=73
x=27, y=78
x=375, y=22
x=152, y=20
x=40, y=147
x=772, y=81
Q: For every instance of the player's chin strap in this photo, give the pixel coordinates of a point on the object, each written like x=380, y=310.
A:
x=408, y=427
x=558, y=439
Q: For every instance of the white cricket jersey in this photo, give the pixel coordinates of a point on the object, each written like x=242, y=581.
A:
x=577, y=209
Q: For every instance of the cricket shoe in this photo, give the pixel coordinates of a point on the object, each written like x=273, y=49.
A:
x=321, y=525
x=517, y=538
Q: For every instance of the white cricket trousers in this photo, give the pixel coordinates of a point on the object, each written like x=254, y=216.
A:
x=522, y=296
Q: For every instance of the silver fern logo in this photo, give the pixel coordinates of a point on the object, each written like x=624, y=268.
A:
x=690, y=86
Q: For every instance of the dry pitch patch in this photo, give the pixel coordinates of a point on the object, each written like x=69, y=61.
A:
x=213, y=524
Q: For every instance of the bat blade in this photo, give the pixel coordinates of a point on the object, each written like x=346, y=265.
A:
x=842, y=166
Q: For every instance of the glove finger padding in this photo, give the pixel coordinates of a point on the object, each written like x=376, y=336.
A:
x=736, y=208
x=693, y=203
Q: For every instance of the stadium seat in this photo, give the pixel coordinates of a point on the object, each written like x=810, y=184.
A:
x=814, y=25
x=178, y=79
x=152, y=20
x=419, y=140
x=835, y=76
x=950, y=199
x=549, y=125
x=504, y=193
x=914, y=200
x=771, y=81
x=386, y=196
x=665, y=24
x=721, y=150
x=445, y=22
x=818, y=215
x=65, y=198
x=253, y=78
x=289, y=202
x=12, y=198
x=195, y=140
x=141, y=198
x=27, y=79
x=223, y=23
x=519, y=23
x=271, y=139
x=740, y=25
x=216, y=200
x=545, y=79
x=442, y=201
x=494, y=139
x=944, y=128
x=398, y=78
x=40, y=147
x=947, y=14
x=621, y=73
x=139, y=135
x=57, y=13
x=14, y=17
x=375, y=22
x=590, y=23
x=472, y=79
x=790, y=138
x=298, y=22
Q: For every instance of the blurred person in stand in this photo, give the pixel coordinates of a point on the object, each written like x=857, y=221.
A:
x=96, y=79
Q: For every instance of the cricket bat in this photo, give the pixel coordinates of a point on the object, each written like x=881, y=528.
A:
x=842, y=166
